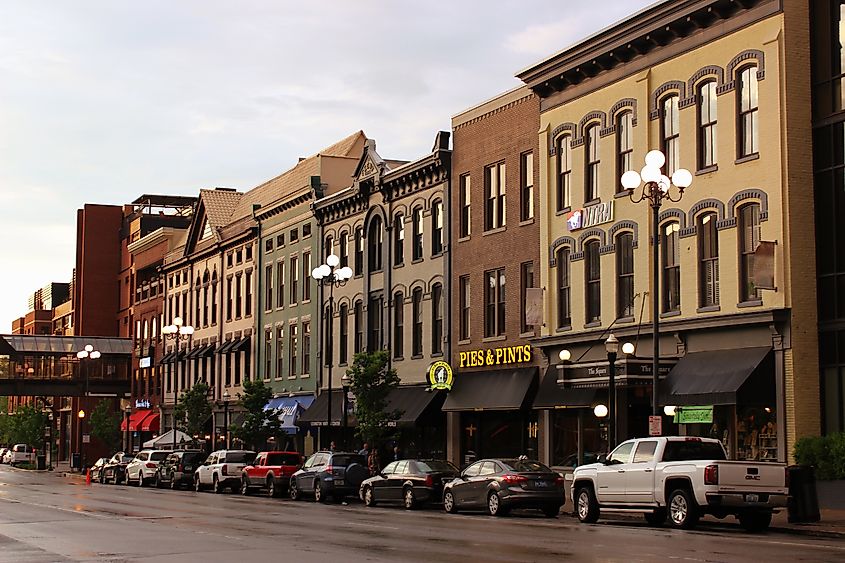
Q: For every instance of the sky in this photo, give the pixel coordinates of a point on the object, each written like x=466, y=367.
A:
x=102, y=101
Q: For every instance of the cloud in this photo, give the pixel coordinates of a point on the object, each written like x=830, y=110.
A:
x=547, y=38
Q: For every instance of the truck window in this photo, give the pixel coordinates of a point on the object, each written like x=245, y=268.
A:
x=645, y=451
x=283, y=459
x=689, y=450
x=622, y=454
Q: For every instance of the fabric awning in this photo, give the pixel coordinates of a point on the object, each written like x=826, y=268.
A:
x=167, y=358
x=719, y=376
x=553, y=395
x=226, y=347
x=240, y=345
x=165, y=441
x=290, y=409
x=492, y=390
x=317, y=413
x=151, y=423
x=135, y=420
x=411, y=401
x=207, y=351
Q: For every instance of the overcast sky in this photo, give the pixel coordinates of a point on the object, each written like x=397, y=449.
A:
x=103, y=101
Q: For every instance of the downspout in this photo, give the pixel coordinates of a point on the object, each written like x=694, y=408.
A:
x=259, y=307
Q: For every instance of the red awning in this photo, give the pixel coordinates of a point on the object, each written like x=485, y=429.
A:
x=135, y=420
x=151, y=423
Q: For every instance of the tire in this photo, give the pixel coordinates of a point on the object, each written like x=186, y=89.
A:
x=293, y=491
x=319, y=494
x=449, y=504
x=102, y=478
x=158, y=482
x=755, y=522
x=586, y=506
x=197, y=484
x=656, y=518
x=216, y=487
x=683, y=511
x=551, y=511
x=272, y=488
x=368, y=496
x=494, y=505
x=409, y=499
x=244, y=486
x=140, y=479
x=174, y=484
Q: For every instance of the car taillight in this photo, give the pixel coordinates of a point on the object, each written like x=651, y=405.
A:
x=786, y=476
x=180, y=468
x=224, y=470
x=429, y=481
x=560, y=481
x=513, y=479
x=152, y=465
x=711, y=475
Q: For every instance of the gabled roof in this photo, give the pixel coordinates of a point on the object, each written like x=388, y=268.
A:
x=219, y=205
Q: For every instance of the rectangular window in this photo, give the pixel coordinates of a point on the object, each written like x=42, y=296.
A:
x=268, y=353
x=375, y=305
x=229, y=298
x=624, y=146
x=625, y=275
x=359, y=251
x=294, y=235
x=494, y=196
x=707, y=125
x=748, y=120
x=359, y=327
x=526, y=175
x=526, y=280
x=564, y=314
x=416, y=299
x=292, y=347
x=306, y=230
x=280, y=240
x=268, y=245
x=592, y=269
x=280, y=351
x=248, y=293
x=398, y=325
x=437, y=319
x=418, y=233
x=344, y=250
x=399, y=240
x=749, y=232
x=494, y=303
x=670, y=130
x=239, y=295
x=344, y=334
x=564, y=169
x=708, y=264
x=593, y=161
x=306, y=347
x=465, y=307
x=671, y=268
x=214, y=299
x=280, y=282
x=329, y=247
x=306, y=276
x=465, y=195
x=268, y=287
x=437, y=228
x=294, y=280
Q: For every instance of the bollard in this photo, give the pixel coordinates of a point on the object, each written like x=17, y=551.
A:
x=88, y=476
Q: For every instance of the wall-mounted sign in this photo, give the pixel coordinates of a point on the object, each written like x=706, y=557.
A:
x=590, y=216
x=495, y=356
x=144, y=362
x=694, y=415
x=142, y=404
x=440, y=376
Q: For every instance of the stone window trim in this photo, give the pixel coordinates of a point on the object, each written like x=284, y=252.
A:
x=678, y=87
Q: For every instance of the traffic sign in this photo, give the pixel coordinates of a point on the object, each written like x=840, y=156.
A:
x=655, y=425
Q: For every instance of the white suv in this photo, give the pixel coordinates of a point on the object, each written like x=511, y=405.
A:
x=222, y=470
x=19, y=453
x=142, y=469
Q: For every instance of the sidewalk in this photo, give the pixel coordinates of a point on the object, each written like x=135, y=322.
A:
x=831, y=525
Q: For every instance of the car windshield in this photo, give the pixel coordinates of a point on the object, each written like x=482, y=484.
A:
x=436, y=466
x=521, y=465
x=347, y=460
x=283, y=459
x=158, y=456
x=689, y=450
x=127, y=458
x=240, y=457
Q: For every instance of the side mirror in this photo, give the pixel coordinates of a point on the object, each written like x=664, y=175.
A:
x=602, y=459
x=382, y=475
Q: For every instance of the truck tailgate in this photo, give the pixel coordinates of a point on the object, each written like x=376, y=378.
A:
x=750, y=476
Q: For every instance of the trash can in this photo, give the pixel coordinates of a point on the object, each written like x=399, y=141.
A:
x=76, y=460
x=803, y=498
x=41, y=462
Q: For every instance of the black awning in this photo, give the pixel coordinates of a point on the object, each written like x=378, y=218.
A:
x=240, y=345
x=167, y=358
x=227, y=346
x=193, y=352
x=719, y=376
x=411, y=401
x=553, y=395
x=492, y=390
x=318, y=412
x=207, y=351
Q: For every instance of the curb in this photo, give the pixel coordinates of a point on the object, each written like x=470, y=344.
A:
x=830, y=534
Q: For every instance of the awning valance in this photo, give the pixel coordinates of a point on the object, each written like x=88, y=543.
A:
x=290, y=409
x=553, y=395
x=135, y=419
x=151, y=423
x=411, y=401
x=717, y=377
x=492, y=390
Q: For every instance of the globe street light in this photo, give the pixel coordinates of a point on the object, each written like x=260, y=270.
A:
x=85, y=356
x=329, y=274
x=612, y=347
x=177, y=331
x=655, y=188
x=226, y=398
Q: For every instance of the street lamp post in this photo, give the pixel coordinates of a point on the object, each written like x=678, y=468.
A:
x=226, y=397
x=85, y=356
x=345, y=382
x=177, y=331
x=81, y=416
x=329, y=274
x=612, y=347
x=655, y=188
x=126, y=412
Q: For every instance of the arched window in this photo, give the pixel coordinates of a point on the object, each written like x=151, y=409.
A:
x=214, y=297
x=593, y=160
x=708, y=260
x=437, y=319
x=747, y=106
x=625, y=275
x=437, y=227
x=624, y=146
x=417, y=343
x=398, y=240
x=344, y=334
x=707, y=125
x=359, y=251
x=670, y=131
x=564, y=297
x=563, y=151
x=329, y=246
x=344, y=249
x=398, y=325
x=671, y=255
x=592, y=279
x=749, y=238
x=374, y=244
x=418, y=234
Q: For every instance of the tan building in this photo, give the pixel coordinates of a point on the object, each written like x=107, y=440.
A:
x=716, y=90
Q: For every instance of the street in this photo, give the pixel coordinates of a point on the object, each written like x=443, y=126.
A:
x=45, y=518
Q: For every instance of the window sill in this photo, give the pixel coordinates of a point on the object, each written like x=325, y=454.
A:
x=748, y=158
x=437, y=255
x=593, y=324
x=371, y=272
x=494, y=338
x=623, y=320
x=623, y=193
x=563, y=328
x=595, y=201
x=529, y=334
x=306, y=301
x=342, y=365
x=494, y=231
x=708, y=309
x=437, y=354
x=399, y=265
x=563, y=211
x=292, y=304
x=398, y=359
x=305, y=376
x=417, y=357
x=291, y=377
x=526, y=222
x=417, y=260
x=707, y=170
x=754, y=303
x=464, y=239
x=669, y=314
x=464, y=342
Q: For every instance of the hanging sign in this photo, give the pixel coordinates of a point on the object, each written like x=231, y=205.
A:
x=440, y=376
x=694, y=415
x=655, y=425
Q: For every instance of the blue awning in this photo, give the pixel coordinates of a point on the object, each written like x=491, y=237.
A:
x=289, y=409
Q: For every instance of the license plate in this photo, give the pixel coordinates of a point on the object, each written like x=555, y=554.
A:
x=338, y=481
x=752, y=498
x=188, y=468
x=541, y=484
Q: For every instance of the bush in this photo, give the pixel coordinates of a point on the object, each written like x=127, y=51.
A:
x=825, y=453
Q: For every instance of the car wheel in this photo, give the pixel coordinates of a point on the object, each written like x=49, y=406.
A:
x=319, y=494
x=102, y=478
x=197, y=484
x=586, y=505
x=409, y=499
x=272, y=489
x=369, y=497
x=449, y=504
x=215, y=486
x=293, y=490
x=140, y=479
x=755, y=522
x=174, y=484
x=244, y=486
x=551, y=511
x=683, y=512
x=158, y=483
x=656, y=518
x=494, y=505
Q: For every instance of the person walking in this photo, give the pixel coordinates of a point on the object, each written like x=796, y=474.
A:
x=373, y=462
x=365, y=449
x=397, y=453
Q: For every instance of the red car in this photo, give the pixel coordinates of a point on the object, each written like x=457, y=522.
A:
x=271, y=472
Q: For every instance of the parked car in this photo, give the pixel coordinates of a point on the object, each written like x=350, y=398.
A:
x=411, y=482
x=270, y=471
x=222, y=470
x=682, y=478
x=142, y=469
x=115, y=468
x=19, y=453
x=3, y=454
x=502, y=484
x=177, y=469
x=328, y=475
x=96, y=470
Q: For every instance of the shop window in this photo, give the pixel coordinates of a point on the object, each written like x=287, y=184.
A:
x=465, y=307
x=494, y=196
x=624, y=146
x=344, y=334
x=707, y=125
x=747, y=105
x=708, y=260
x=437, y=319
x=436, y=227
x=749, y=238
x=625, y=275
x=417, y=344
x=592, y=271
x=526, y=280
x=398, y=325
x=466, y=197
x=671, y=254
x=592, y=159
x=526, y=187
x=670, y=132
x=418, y=234
x=374, y=244
x=564, y=308
x=399, y=240
x=494, y=303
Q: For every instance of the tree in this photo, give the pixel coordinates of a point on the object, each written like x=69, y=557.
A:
x=27, y=426
x=105, y=424
x=259, y=425
x=372, y=381
x=193, y=409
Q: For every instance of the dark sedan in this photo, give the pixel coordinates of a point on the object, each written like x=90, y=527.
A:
x=502, y=484
x=115, y=469
x=177, y=469
x=410, y=481
x=96, y=470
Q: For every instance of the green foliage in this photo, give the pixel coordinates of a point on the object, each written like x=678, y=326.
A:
x=825, y=453
x=259, y=425
x=193, y=409
x=105, y=424
x=26, y=426
x=371, y=381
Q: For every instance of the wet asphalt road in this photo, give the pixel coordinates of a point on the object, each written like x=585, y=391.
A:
x=44, y=518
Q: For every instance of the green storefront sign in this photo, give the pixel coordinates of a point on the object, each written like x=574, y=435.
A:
x=694, y=415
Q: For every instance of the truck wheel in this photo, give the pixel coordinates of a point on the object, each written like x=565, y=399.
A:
x=755, y=522
x=216, y=487
x=683, y=512
x=244, y=486
x=656, y=518
x=586, y=505
x=158, y=482
x=273, y=489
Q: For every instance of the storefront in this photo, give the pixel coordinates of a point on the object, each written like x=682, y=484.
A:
x=289, y=411
x=141, y=425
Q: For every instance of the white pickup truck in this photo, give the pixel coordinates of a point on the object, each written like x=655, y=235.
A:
x=682, y=478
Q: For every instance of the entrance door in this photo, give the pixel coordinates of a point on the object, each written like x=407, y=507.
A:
x=611, y=476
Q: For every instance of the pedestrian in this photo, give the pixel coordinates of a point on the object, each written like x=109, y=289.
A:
x=397, y=453
x=373, y=462
x=365, y=449
x=332, y=446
